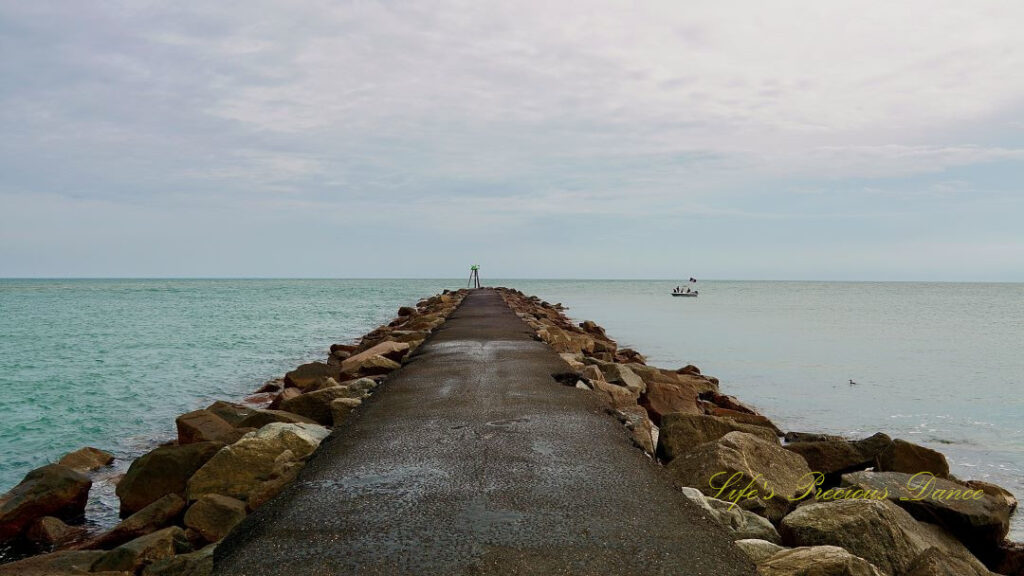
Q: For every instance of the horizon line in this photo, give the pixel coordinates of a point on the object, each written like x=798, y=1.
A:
x=529, y=279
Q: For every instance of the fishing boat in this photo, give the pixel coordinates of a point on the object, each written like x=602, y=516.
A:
x=687, y=292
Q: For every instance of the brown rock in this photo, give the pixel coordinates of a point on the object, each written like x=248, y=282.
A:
x=198, y=563
x=779, y=477
x=591, y=327
x=86, y=459
x=213, y=516
x=406, y=311
x=272, y=386
x=48, y=533
x=623, y=376
x=726, y=401
x=816, y=561
x=934, y=563
x=689, y=369
x=701, y=384
x=205, y=426
x=230, y=412
x=163, y=471
x=341, y=407
x=839, y=456
x=350, y=348
x=640, y=427
x=61, y=563
x=592, y=373
x=135, y=555
x=260, y=418
x=286, y=394
x=616, y=396
x=306, y=374
x=980, y=523
x=317, y=405
x=663, y=398
x=741, y=417
x=153, y=517
x=51, y=490
x=283, y=475
x=1008, y=558
x=368, y=366
x=629, y=356
x=995, y=491
x=903, y=456
x=238, y=469
x=876, y=530
x=681, y=433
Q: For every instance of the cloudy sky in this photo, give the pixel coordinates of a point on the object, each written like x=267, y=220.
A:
x=776, y=140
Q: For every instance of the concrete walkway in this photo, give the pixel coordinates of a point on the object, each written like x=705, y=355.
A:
x=471, y=459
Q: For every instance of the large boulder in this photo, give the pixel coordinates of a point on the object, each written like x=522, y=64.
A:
x=979, y=520
x=62, y=563
x=623, y=376
x=214, y=515
x=837, y=456
x=238, y=469
x=48, y=533
x=307, y=374
x=205, y=426
x=157, y=515
x=86, y=459
x=876, y=530
x=135, y=555
x=51, y=490
x=816, y=561
x=910, y=458
x=742, y=524
x=772, y=479
x=663, y=397
x=681, y=432
x=198, y=563
x=368, y=366
x=163, y=471
x=317, y=405
x=618, y=397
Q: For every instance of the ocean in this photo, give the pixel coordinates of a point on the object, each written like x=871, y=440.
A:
x=111, y=363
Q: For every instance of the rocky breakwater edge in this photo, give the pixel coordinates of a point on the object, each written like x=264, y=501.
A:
x=798, y=503
x=182, y=498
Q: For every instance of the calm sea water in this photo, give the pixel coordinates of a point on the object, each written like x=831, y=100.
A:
x=110, y=363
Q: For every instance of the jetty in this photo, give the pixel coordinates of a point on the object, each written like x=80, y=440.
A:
x=484, y=432
x=473, y=459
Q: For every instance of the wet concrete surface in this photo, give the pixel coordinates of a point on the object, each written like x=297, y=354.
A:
x=472, y=459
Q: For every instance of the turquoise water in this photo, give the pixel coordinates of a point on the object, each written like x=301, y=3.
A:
x=110, y=363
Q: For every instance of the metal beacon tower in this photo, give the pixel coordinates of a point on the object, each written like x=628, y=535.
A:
x=474, y=276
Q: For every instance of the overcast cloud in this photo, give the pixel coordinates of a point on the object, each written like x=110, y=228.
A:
x=790, y=140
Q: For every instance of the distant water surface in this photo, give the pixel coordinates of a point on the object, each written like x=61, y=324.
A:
x=110, y=363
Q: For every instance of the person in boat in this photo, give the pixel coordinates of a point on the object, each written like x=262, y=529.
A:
x=687, y=290
x=677, y=290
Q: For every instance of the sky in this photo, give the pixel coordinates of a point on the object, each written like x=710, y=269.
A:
x=736, y=140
